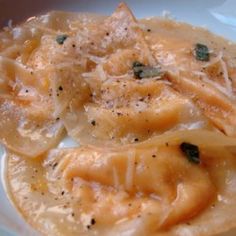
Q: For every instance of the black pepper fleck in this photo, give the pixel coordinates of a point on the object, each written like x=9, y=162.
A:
x=60, y=88
x=54, y=165
x=93, y=221
x=93, y=122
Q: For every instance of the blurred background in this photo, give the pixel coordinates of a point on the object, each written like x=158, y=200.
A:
x=18, y=10
x=218, y=15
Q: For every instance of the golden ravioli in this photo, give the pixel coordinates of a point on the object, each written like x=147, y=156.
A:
x=27, y=125
x=102, y=101
x=152, y=185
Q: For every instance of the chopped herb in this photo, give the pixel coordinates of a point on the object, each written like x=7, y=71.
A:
x=61, y=38
x=93, y=122
x=191, y=151
x=202, y=52
x=137, y=64
x=142, y=71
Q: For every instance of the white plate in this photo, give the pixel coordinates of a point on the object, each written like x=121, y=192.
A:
x=217, y=15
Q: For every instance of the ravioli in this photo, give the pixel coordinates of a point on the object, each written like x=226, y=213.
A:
x=108, y=104
x=151, y=104
x=216, y=98
x=27, y=126
x=146, y=188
